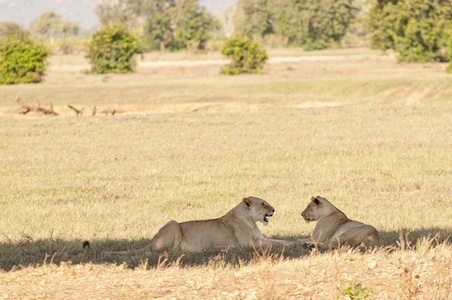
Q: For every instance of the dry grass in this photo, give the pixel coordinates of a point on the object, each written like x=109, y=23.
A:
x=419, y=273
x=371, y=135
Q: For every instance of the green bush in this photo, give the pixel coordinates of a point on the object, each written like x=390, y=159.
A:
x=21, y=60
x=417, y=29
x=448, y=56
x=66, y=47
x=247, y=56
x=357, y=292
x=112, y=49
x=449, y=68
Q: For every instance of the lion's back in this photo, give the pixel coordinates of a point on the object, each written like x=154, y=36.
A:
x=206, y=234
x=354, y=232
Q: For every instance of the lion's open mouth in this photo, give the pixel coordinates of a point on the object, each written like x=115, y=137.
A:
x=265, y=219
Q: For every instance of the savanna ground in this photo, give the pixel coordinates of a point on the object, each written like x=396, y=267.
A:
x=371, y=135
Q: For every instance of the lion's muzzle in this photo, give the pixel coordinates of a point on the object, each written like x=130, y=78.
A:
x=305, y=216
x=266, y=216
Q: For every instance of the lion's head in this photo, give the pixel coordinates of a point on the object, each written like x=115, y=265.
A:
x=258, y=209
x=317, y=208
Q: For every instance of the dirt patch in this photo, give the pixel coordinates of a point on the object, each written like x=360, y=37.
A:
x=316, y=104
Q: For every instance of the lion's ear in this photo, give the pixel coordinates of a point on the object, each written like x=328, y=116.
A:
x=315, y=200
x=247, y=202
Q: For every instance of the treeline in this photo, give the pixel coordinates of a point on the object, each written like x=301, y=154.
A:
x=161, y=24
x=181, y=24
x=418, y=30
x=311, y=24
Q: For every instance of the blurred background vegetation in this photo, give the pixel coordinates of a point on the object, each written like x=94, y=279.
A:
x=417, y=30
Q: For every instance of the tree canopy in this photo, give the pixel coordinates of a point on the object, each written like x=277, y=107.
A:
x=311, y=24
x=167, y=24
x=417, y=29
x=50, y=24
x=124, y=12
x=11, y=28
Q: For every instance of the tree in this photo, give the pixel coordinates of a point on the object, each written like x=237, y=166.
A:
x=247, y=56
x=125, y=12
x=257, y=20
x=417, y=29
x=193, y=32
x=50, y=24
x=167, y=24
x=10, y=28
x=158, y=31
x=448, y=55
x=21, y=60
x=312, y=24
x=228, y=20
x=178, y=24
x=112, y=49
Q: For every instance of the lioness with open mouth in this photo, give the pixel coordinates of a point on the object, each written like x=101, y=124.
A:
x=333, y=228
x=237, y=228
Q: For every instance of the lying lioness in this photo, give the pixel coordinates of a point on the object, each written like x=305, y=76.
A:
x=333, y=228
x=236, y=228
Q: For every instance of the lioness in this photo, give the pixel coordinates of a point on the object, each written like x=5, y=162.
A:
x=333, y=228
x=236, y=228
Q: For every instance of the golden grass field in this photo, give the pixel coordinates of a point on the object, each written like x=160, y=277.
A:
x=371, y=135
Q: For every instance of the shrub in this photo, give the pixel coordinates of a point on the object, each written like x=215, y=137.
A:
x=247, y=56
x=66, y=47
x=357, y=292
x=448, y=56
x=417, y=29
x=449, y=68
x=112, y=49
x=21, y=60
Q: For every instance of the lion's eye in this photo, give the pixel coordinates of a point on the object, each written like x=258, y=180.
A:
x=263, y=204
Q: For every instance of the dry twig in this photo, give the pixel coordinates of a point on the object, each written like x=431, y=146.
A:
x=77, y=111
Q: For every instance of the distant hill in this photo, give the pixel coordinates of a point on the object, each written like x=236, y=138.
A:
x=24, y=12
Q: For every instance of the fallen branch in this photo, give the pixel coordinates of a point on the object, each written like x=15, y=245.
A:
x=51, y=111
x=112, y=112
x=77, y=111
x=106, y=112
x=38, y=108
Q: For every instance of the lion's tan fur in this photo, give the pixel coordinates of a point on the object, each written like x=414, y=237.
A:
x=333, y=228
x=236, y=228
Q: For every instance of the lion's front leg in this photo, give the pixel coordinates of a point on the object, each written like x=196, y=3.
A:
x=304, y=241
x=267, y=243
x=309, y=243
